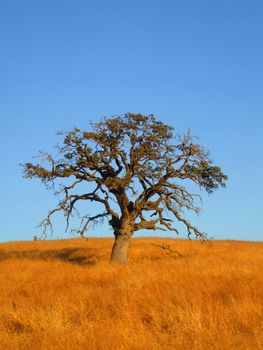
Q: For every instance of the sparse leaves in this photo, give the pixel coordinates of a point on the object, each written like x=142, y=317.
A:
x=134, y=163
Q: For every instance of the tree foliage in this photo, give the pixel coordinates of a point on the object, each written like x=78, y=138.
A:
x=136, y=167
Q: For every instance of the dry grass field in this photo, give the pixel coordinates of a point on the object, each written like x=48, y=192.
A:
x=174, y=294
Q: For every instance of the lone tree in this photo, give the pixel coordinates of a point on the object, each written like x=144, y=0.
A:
x=133, y=166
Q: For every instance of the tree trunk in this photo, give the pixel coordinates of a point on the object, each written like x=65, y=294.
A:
x=119, y=249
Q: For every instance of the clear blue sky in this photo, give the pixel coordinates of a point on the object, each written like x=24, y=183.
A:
x=194, y=64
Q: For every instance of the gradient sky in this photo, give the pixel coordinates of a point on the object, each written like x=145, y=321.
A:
x=194, y=64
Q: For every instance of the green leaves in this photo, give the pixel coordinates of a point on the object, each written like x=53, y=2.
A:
x=136, y=163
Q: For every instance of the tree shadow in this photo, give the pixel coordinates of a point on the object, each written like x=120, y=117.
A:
x=78, y=256
x=168, y=250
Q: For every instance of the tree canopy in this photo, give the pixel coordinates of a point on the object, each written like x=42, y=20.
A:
x=137, y=168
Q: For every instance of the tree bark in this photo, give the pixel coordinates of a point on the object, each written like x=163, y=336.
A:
x=119, y=249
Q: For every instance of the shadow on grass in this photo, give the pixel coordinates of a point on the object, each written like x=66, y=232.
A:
x=79, y=256
x=168, y=250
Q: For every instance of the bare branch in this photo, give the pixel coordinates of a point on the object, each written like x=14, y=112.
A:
x=134, y=166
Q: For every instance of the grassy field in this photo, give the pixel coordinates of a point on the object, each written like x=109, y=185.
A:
x=174, y=294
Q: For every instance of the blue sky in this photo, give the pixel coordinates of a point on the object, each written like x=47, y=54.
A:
x=194, y=64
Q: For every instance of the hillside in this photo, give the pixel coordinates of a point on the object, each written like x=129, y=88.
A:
x=174, y=294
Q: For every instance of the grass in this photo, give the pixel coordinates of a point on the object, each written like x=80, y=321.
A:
x=174, y=294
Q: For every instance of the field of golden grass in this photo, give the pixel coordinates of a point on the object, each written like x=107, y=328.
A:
x=174, y=294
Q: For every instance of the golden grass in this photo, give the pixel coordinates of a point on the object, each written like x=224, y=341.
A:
x=63, y=295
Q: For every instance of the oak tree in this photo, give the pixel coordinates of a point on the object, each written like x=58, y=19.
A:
x=136, y=168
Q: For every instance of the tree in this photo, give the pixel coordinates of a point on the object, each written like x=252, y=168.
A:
x=136, y=168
